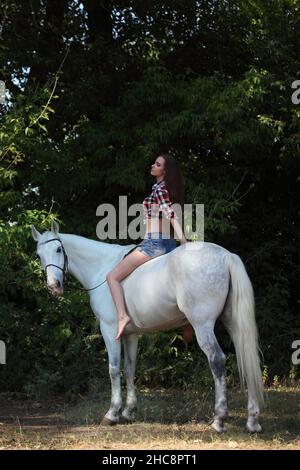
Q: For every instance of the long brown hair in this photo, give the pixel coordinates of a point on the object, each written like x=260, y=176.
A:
x=174, y=179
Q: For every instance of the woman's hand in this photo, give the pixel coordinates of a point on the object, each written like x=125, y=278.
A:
x=178, y=231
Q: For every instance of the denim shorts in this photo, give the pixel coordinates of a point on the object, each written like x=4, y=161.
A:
x=154, y=245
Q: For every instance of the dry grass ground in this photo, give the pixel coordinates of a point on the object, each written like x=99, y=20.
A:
x=167, y=419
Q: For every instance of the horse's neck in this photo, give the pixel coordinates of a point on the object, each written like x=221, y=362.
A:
x=89, y=259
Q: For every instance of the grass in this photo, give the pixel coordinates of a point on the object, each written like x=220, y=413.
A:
x=167, y=419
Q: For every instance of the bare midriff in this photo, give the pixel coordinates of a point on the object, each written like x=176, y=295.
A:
x=155, y=225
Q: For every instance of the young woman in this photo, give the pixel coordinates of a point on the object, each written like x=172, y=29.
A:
x=168, y=187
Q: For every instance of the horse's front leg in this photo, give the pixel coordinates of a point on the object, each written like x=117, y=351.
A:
x=114, y=357
x=130, y=349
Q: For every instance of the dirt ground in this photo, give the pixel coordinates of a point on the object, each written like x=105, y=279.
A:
x=167, y=419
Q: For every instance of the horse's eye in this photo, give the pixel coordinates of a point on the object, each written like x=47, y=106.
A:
x=58, y=250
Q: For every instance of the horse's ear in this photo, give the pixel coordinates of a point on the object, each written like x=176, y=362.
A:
x=54, y=227
x=35, y=233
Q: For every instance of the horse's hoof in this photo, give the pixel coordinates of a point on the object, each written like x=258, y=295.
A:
x=124, y=420
x=108, y=422
x=254, y=428
x=218, y=428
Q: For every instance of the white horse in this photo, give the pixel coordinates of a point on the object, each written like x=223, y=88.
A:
x=197, y=281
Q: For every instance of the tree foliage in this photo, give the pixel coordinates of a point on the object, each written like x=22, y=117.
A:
x=95, y=90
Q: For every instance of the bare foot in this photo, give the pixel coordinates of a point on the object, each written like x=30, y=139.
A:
x=122, y=323
x=188, y=333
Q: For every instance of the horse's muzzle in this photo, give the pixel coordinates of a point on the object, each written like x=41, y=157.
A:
x=56, y=289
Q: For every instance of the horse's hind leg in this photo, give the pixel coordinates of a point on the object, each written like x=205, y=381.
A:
x=130, y=349
x=253, y=407
x=216, y=358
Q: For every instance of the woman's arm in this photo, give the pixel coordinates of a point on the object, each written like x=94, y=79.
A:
x=178, y=231
x=166, y=206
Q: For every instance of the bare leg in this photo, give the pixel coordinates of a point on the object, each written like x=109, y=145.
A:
x=122, y=270
x=118, y=296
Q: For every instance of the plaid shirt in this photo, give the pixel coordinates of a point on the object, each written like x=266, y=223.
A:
x=158, y=202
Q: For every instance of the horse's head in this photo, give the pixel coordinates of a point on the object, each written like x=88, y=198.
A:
x=53, y=257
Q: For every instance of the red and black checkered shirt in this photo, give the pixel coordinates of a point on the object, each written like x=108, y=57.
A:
x=158, y=202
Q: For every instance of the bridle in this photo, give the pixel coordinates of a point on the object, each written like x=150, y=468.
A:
x=65, y=268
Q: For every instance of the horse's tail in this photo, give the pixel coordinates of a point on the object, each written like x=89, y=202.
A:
x=243, y=328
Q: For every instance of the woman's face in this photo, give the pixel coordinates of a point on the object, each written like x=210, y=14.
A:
x=158, y=167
